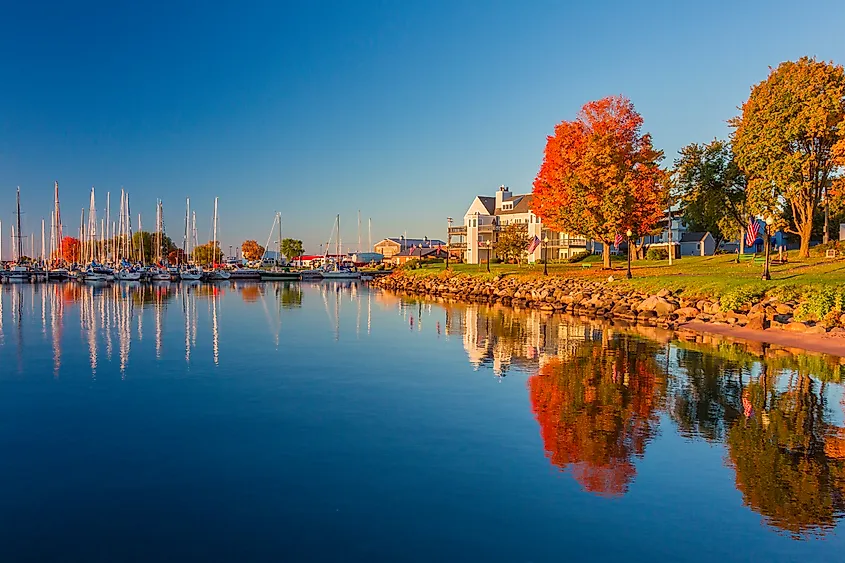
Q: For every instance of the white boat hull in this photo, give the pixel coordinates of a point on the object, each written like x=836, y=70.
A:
x=128, y=276
x=341, y=275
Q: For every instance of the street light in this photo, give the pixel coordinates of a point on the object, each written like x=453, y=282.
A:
x=629, y=233
x=766, y=275
x=546, y=255
x=448, y=239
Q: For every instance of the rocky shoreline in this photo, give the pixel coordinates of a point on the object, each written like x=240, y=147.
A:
x=610, y=300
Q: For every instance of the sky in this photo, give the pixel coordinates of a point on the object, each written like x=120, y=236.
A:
x=402, y=110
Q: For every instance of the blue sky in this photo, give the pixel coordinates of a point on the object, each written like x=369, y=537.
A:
x=404, y=110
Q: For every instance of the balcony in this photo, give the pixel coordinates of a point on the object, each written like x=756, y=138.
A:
x=567, y=243
x=458, y=231
x=487, y=228
x=458, y=246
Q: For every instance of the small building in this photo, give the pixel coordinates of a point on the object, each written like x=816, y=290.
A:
x=394, y=245
x=697, y=244
x=420, y=253
x=365, y=258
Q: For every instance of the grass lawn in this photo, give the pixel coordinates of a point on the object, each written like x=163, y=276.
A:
x=692, y=275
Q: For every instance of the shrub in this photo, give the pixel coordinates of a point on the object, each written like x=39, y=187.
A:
x=820, y=303
x=657, y=254
x=578, y=256
x=411, y=264
x=742, y=295
x=821, y=249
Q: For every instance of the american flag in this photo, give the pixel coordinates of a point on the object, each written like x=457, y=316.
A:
x=532, y=246
x=618, y=240
x=413, y=248
x=751, y=233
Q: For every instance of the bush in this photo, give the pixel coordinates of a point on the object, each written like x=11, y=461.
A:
x=740, y=296
x=821, y=249
x=658, y=253
x=411, y=264
x=578, y=256
x=820, y=303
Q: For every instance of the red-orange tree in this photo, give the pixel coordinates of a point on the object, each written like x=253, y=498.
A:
x=600, y=175
x=69, y=250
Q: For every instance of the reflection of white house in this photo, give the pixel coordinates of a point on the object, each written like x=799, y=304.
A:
x=487, y=216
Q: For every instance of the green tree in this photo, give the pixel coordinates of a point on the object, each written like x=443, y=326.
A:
x=790, y=141
x=208, y=253
x=513, y=242
x=291, y=248
x=145, y=245
x=712, y=188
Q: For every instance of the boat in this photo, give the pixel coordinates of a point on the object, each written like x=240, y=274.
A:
x=96, y=273
x=279, y=274
x=340, y=273
x=128, y=275
x=333, y=270
x=217, y=275
x=159, y=274
x=245, y=274
x=18, y=274
x=191, y=274
x=58, y=274
x=310, y=274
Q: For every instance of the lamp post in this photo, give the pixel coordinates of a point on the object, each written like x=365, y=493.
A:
x=546, y=255
x=629, y=233
x=766, y=275
x=448, y=239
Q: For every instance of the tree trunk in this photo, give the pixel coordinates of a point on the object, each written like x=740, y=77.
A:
x=805, y=232
x=605, y=255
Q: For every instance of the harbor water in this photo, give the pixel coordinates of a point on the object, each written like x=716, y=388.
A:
x=322, y=421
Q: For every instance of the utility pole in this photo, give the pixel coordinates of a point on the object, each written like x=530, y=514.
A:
x=671, y=248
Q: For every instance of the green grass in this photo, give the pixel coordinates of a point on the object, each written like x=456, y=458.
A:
x=692, y=276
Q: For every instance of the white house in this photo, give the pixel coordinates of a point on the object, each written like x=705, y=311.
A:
x=488, y=215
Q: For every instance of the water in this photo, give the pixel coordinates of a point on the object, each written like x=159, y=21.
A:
x=322, y=422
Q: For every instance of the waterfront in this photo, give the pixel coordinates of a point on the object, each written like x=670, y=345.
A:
x=322, y=421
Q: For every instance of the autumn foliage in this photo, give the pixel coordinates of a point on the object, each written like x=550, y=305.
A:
x=69, y=250
x=790, y=141
x=597, y=411
x=252, y=250
x=600, y=175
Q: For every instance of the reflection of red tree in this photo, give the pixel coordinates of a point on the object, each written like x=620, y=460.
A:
x=597, y=410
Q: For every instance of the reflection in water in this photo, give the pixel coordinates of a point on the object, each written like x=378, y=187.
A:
x=597, y=409
x=599, y=393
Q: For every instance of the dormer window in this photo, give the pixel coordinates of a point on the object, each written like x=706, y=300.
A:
x=507, y=206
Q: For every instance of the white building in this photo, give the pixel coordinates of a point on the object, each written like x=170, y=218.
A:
x=488, y=215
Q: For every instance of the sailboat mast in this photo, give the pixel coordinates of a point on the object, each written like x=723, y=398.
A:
x=20, y=243
x=106, y=246
x=43, y=247
x=359, y=231
x=185, y=242
x=214, y=241
x=370, y=234
x=58, y=219
x=141, y=230
x=279, y=255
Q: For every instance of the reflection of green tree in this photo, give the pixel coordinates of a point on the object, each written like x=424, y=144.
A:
x=597, y=409
x=706, y=401
x=778, y=452
x=289, y=294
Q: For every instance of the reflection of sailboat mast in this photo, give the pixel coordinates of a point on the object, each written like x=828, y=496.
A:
x=215, y=339
x=157, y=312
x=56, y=320
x=369, y=309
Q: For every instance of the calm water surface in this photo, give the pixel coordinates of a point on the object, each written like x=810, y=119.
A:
x=323, y=422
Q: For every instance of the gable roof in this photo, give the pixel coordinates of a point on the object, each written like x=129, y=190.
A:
x=409, y=242
x=521, y=204
x=690, y=236
x=489, y=203
x=422, y=252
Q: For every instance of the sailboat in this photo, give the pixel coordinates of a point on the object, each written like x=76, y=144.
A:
x=334, y=270
x=215, y=274
x=277, y=273
x=127, y=272
x=18, y=272
x=55, y=270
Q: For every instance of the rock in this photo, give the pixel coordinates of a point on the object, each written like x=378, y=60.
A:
x=756, y=322
x=783, y=309
x=688, y=312
x=663, y=293
x=611, y=278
